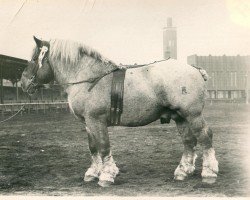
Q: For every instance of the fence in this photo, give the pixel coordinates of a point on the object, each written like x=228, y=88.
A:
x=34, y=107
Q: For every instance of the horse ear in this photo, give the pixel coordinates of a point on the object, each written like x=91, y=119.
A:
x=38, y=42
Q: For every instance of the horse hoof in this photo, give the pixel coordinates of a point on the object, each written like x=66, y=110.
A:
x=209, y=180
x=179, y=178
x=89, y=178
x=105, y=183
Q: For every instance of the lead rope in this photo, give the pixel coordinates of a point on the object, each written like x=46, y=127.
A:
x=13, y=115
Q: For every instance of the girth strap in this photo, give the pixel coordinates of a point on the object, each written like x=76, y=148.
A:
x=117, y=91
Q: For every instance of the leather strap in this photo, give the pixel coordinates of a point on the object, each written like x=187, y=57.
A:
x=117, y=90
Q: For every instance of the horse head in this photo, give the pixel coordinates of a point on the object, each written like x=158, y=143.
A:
x=38, y=71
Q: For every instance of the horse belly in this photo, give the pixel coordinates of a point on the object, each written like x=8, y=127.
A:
x=140, y=113
x=140, y=104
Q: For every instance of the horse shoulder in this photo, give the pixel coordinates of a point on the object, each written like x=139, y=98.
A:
x=94, y=102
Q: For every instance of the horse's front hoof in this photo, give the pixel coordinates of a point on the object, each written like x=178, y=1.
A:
x=105, y=183
x=89, y=178
x=179, y=178
x=209, y=180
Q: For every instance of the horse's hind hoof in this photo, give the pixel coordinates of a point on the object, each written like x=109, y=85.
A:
x=105, y=183
x=89, y=178
x=209, y=180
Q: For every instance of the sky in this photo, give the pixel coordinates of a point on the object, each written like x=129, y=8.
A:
x=128, y=31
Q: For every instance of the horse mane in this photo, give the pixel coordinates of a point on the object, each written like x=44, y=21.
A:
x=70, y=52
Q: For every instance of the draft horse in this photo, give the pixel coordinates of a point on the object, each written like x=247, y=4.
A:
x=168, y=88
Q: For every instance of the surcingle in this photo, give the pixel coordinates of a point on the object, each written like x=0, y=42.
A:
x=117, y=91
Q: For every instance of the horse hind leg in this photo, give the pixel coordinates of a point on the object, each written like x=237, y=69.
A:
x=204, y=136
x=187, y=163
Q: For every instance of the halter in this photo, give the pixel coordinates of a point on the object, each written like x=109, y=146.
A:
x=42, y=57
x=32, y=84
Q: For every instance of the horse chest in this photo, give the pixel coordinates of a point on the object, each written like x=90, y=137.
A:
x=83, y=103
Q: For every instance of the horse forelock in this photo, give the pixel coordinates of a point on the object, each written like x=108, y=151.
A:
x=69, y=52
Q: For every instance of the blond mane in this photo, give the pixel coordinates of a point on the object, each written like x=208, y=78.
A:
x=71, y=52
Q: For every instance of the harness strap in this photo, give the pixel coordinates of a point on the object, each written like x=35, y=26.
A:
x=117, y=91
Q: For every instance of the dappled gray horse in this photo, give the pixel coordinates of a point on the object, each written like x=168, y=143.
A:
x=168, y=88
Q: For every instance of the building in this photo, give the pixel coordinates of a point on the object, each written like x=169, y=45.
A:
x=229, y=76
x=10, y=72
x=10, y=91
x=169, y=40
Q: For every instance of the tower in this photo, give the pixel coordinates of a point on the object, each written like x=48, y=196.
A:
x=169, y=40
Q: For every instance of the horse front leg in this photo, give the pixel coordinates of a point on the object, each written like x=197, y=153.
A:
x=94, y=170
x=100, y=147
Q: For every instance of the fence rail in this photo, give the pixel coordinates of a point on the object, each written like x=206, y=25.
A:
x=33, y=101
x=34, y=107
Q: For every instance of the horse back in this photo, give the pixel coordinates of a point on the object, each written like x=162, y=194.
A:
x=168, y=84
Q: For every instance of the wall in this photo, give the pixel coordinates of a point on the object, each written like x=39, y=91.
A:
x=229, y=76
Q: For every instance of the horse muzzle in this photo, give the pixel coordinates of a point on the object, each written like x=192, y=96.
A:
x=29, y=85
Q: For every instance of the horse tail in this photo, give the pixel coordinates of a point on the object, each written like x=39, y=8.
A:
x=203, y=72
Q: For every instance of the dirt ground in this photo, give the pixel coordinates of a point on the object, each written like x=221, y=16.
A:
x=47, y=154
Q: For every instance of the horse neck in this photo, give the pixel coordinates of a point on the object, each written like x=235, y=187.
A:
x=87, y=68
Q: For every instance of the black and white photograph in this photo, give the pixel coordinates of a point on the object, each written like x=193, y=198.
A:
x=124, y=98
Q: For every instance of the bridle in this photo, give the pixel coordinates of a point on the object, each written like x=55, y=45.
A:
x=38, y=61
x=32, y=84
